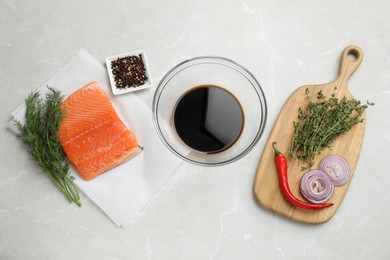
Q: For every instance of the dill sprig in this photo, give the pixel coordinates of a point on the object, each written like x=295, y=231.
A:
x=40, y=134
x=321, y=122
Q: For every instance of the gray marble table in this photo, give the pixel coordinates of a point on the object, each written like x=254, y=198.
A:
x=200, y=213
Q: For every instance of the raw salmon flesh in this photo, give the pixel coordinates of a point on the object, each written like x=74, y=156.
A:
x=92, y=135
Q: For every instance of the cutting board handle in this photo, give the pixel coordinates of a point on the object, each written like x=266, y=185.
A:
x=351, y=58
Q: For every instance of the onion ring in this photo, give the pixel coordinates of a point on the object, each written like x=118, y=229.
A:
x=337, y=168
x=316, y=186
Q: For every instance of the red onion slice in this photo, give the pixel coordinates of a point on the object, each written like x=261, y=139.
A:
x=337, y=168
x=316, y=186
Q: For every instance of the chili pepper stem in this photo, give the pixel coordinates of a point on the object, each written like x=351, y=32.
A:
x=276, y=151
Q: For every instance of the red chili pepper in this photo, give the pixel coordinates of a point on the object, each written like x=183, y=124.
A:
x=281, y=163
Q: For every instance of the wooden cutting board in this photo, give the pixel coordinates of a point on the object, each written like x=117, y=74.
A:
x=266, y=186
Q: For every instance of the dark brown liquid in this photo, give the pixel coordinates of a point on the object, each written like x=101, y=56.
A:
x=208, y=119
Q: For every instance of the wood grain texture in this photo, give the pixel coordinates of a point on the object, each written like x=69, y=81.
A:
x=266, y=186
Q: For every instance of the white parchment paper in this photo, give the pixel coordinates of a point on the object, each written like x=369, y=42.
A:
x=123, y=191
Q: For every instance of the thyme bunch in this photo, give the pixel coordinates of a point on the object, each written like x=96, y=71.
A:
x=321, y=122
x=40, y=134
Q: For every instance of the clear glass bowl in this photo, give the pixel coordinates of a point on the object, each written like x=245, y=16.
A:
x=214, y=71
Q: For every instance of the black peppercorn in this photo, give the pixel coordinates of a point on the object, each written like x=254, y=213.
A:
x=129, y=72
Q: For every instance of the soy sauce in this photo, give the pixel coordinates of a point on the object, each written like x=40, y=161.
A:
x=208, y=119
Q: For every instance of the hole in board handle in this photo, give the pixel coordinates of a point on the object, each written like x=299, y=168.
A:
x=352, y=55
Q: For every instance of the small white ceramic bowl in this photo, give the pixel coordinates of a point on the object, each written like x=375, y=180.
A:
x=118, y=91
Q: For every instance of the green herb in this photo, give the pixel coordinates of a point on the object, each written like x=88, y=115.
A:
x=321, y=122
x=40, y=134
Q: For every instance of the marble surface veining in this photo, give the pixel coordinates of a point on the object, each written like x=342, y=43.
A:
x=200, y=213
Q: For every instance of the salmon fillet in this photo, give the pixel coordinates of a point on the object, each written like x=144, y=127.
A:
x=92, y=135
